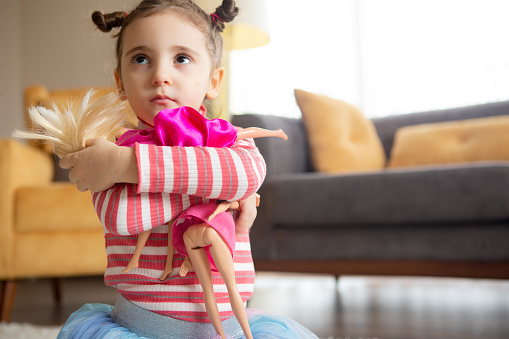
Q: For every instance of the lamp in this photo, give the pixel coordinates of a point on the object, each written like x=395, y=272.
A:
x=248, y=30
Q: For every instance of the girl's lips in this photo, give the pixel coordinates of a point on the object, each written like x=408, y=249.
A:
x=162, y=100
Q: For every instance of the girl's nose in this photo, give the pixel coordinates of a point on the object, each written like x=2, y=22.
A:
x=162, y=76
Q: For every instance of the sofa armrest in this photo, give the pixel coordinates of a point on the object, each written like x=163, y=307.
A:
x=23, y=165
x=20, y=165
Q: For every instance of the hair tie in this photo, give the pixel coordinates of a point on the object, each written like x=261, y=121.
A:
x=215, y=16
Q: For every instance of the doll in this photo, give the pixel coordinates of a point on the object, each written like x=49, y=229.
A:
x=201, y=228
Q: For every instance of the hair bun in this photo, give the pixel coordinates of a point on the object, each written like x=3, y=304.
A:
x=105, y=22
x=226, y=12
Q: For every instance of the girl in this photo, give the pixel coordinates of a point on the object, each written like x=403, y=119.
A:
x=202, y=230
x=185, y=126
x=168, y=56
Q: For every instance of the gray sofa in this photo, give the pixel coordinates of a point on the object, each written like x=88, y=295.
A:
x=438, y=220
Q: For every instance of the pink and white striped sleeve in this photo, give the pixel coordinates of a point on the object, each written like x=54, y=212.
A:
x=212, y=173
x=217, y=173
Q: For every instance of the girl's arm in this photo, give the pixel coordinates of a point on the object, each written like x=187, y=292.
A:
x=216, y=173
x=157, y=168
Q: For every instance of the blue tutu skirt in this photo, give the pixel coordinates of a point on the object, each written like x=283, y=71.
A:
x=95, y=321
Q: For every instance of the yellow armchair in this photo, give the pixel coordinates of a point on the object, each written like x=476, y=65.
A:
x=47, y=229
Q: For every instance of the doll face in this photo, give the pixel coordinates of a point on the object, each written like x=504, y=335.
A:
x=165, y=64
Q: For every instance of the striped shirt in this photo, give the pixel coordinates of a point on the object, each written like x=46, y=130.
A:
x=171, y=179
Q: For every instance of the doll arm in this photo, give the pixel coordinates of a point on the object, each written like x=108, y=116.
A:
x=256, y=132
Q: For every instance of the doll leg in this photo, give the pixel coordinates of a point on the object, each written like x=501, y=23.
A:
x=224, y=263
x=222, y=207
x=255, y=132
x=201, y=235
x=201, y=264
x=168, y=268
x=142, y=240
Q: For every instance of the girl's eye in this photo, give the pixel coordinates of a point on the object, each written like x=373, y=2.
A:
x=183, y=59
x=140, y=59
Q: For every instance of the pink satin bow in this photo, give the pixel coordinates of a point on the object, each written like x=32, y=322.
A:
x=183, y=126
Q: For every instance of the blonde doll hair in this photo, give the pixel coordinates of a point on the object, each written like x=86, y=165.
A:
x=68, y=129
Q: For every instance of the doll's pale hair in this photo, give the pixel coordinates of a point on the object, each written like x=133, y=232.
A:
x=68, y=129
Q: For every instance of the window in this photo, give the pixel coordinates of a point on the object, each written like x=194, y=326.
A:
x=385, y=56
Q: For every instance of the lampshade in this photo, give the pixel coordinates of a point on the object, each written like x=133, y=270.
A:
x=249, y=29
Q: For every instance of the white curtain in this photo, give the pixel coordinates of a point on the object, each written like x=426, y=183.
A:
x=385, y=56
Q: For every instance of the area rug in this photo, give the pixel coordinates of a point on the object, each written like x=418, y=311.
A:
x=27, y=331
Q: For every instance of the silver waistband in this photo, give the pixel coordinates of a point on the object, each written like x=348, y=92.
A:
x=152, y=325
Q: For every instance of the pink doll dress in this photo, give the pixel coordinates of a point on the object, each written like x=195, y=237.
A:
x=184, y=127
x=223, y=223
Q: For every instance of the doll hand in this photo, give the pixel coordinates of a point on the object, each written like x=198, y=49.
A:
x=101, y=165
x=246, y=213
x=223, y=207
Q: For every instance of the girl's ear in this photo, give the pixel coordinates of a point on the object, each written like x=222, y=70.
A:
x=120, y=87
x=215, y=83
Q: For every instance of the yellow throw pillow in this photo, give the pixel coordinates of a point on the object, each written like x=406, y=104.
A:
x=481, y=139
x=341, y=139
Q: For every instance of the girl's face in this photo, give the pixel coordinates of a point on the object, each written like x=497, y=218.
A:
x=165, y=64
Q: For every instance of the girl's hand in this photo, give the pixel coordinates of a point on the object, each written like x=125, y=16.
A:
x=101, y=165
x=246, y=213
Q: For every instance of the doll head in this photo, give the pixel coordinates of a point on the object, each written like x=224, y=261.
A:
x=158, y=33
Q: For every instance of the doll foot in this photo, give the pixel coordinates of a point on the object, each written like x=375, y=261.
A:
x=281, y=134
x=130, y=266
x=185, y=268
x=166, y=273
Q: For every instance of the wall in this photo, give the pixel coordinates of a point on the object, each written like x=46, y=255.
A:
x=10, y=67
x=53, y=43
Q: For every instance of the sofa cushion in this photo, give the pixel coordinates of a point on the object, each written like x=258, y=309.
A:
x=387, y=126
x=451, y=142
x=54, y=207
x=475, y=243
x=341, y=139
x=442, y=194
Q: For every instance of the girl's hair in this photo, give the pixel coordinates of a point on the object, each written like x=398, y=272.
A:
x=211, y=25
